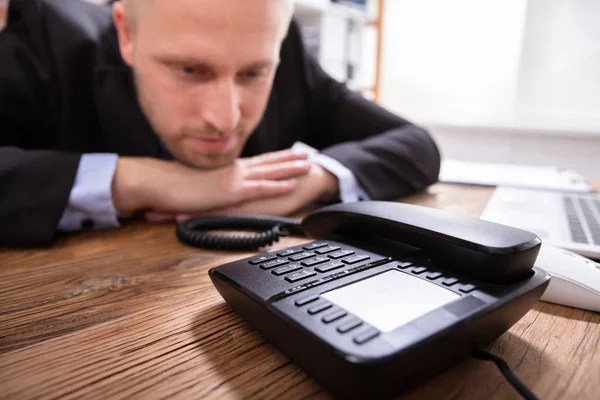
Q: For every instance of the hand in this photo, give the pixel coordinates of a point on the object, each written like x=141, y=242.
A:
x=170, y=187
x=318, y=184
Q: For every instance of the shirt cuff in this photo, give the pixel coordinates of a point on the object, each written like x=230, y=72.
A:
x=90, y=202
x=350, y=190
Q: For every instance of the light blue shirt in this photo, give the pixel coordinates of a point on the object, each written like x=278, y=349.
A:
x=91, y=195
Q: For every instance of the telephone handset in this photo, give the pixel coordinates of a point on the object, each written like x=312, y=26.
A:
x=387, y=295
x=475, y=247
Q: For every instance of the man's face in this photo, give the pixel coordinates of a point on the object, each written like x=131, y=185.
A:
x=204, y=70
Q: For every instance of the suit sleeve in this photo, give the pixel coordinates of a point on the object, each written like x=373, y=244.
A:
x=35, y=182
x=389, y=156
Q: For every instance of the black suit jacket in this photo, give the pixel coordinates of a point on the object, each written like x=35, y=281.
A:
x=65, y=91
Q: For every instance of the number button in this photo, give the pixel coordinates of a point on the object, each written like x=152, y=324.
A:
x=315, y=261
x=301, y=256
x=275, y=263
x=315, y=246
x=286, y=270
x=340, y=254
x=300, y=275
x=327, y=249
x=289, y=252
x=262, y=259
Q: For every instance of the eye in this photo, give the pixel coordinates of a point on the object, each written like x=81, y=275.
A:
x=252, y=75
x=195, y=73
x=188, y=70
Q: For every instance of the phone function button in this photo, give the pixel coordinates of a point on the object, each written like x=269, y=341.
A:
x=295, y=277
x=340, y=254
x=433, y=275
x=319, y=308
x=301, y=256
x=355, y=259
x=330, y=267
x=262, y=259
x=466, y=288
x=289, y=252
x=293, y=290
x=275, y=263
x=315, y=261
x=286, y=270
x=348, y=326
x=418, y=270
x=365, y=336
x=305, y=300
x=333, y=316
x=404, y=264
x=314, y=246
x=327, y=249
x=449, y=281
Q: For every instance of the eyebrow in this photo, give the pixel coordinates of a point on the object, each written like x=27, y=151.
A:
x=196, y=62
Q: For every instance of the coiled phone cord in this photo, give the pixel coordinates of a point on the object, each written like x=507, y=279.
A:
x=194, y=232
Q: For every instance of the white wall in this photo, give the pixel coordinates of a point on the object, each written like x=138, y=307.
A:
x=499, y=80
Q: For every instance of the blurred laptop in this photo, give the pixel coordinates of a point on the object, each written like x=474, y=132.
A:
x=568, y=220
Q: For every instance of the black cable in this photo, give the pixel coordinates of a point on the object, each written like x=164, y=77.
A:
x=508, y=373
x=194, y=233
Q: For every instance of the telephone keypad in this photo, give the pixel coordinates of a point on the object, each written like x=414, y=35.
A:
x=319, y=308
x=301, y=256
x=319, y=263
x=275, y=263
x=295, y=277
x=286, y=270
x=365, y=336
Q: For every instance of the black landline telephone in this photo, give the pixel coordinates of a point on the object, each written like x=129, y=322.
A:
x=387, y=295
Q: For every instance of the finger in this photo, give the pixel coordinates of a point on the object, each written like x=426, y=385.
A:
x=255, y=189
x=155, y=217
x=279, y=171
x=185, y=217
x=277, y=157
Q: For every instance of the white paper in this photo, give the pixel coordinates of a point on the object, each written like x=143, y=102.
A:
x=511, y=175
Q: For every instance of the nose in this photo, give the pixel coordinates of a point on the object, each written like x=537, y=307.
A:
x=222, y=107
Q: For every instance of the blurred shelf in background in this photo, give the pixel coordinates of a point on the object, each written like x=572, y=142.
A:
x=345, y=37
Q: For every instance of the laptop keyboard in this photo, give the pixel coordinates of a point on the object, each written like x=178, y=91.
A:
x=590, y=218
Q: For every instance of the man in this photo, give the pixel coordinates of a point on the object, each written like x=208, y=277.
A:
x=181, y=107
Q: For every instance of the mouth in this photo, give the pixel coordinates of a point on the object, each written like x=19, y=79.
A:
x=211, y=144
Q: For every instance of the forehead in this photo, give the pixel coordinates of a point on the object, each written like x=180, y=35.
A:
x=234, y=29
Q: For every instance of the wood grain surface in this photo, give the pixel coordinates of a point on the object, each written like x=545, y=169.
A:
x=132, y=313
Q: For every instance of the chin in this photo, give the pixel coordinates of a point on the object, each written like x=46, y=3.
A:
x=211, y=162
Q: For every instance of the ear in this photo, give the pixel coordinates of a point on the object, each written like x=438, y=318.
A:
x=124, y=32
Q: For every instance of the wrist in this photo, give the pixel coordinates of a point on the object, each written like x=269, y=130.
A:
x=329, y=186
x=127, y=185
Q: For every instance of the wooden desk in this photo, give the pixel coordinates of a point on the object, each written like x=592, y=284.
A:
x=132, y=314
